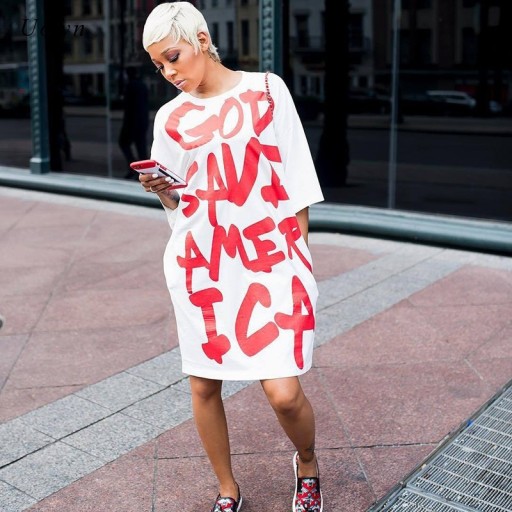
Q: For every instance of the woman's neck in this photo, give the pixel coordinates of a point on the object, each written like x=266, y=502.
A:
x=218, y=79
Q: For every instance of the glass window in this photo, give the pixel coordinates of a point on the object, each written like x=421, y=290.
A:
x=230, y=29
x=454, y=96
x=424, y=47
x=101, y=41
x=244, y=26
x=454, y=107
x=215, y=33
x=86, y=7
x=418, y=4
x=355, y=31
x=469, y=46
x=302, y=22
x=88, y=42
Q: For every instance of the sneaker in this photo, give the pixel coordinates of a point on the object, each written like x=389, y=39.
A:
x=226, y=504
x=308, y=497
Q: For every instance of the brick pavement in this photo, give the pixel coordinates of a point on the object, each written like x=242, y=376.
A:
x=95, y=412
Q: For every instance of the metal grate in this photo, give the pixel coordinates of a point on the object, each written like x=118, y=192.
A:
x=408, y=502
x=471, y=472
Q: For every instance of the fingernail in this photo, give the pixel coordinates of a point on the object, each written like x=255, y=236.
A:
x=154, y=175
x=169, y=180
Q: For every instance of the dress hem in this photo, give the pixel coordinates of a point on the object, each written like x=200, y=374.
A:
x=233, y=376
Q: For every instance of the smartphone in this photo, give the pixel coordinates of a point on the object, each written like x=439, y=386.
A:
x=154, y=167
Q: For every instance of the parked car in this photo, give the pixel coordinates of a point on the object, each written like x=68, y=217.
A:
x=454, y=102
x=368, y=101
x=421, y=104
x=460, y=103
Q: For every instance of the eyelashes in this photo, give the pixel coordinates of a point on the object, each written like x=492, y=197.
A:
x=171, y=60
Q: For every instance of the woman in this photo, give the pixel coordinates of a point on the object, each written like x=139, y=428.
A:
x=237, y=264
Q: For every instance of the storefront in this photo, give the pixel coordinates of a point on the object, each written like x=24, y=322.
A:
x=407, y=104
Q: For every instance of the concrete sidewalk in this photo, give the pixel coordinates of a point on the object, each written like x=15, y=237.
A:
x=95, y=412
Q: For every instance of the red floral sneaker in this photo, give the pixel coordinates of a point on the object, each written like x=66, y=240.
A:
x=308, y=497
x=226, y=504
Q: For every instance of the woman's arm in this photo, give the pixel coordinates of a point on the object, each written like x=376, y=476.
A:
x=303, y=220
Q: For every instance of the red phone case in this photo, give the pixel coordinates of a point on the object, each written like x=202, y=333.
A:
x=152, y=166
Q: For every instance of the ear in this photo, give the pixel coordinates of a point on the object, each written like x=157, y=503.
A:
x=204, y=40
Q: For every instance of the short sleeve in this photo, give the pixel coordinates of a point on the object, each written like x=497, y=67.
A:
x=300, y=177
x=162, y=150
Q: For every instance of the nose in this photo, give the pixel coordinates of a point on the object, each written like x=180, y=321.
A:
x=168, y=71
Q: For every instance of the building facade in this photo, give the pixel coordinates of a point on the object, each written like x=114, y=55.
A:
x=428, y=119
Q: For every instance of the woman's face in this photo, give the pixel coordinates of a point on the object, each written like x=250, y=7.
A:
x=178, y=62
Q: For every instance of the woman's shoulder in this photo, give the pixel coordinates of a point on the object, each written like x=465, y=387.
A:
x=259, y=76
x=265, y=79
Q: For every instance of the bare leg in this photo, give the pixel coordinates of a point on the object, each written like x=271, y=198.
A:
x=212, y=427
x=296, y=416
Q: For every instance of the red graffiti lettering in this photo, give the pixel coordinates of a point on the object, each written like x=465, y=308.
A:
x=274, y=192
x=239, y=190
x=232, y=243
x=217, y=344
x=216, y=190
x=229, y=104
x=265, y=258
x=290, y=228
x=202, y=132
x=193, y=259
x=258, y=340
x=235, y=190
x=193, y=205
x=297, y=322
x=259, y=122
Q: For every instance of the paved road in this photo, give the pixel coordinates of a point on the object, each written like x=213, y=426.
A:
x=439, y=149
x=449, y=173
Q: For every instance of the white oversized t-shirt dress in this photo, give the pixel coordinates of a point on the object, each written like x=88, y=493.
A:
x=238, y=270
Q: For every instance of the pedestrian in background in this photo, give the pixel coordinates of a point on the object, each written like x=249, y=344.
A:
x=135, y=120
x=237, y=265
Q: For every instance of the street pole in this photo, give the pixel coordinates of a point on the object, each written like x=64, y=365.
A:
x=40, y=160
x=397, y=10
x=108, y=92
x=271, y=42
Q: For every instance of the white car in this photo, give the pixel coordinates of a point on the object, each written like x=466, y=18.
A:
x=455, y=98
x=460, y=102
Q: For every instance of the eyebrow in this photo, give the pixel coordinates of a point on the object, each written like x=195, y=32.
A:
x=165, y=51
x=169, y=48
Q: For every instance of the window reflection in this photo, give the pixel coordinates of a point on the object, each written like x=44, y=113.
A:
x=454, y=98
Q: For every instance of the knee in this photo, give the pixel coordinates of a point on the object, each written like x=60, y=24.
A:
x=205, y=389
x=285, y=402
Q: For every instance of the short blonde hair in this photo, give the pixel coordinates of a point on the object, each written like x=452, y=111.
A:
x=180, y=20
